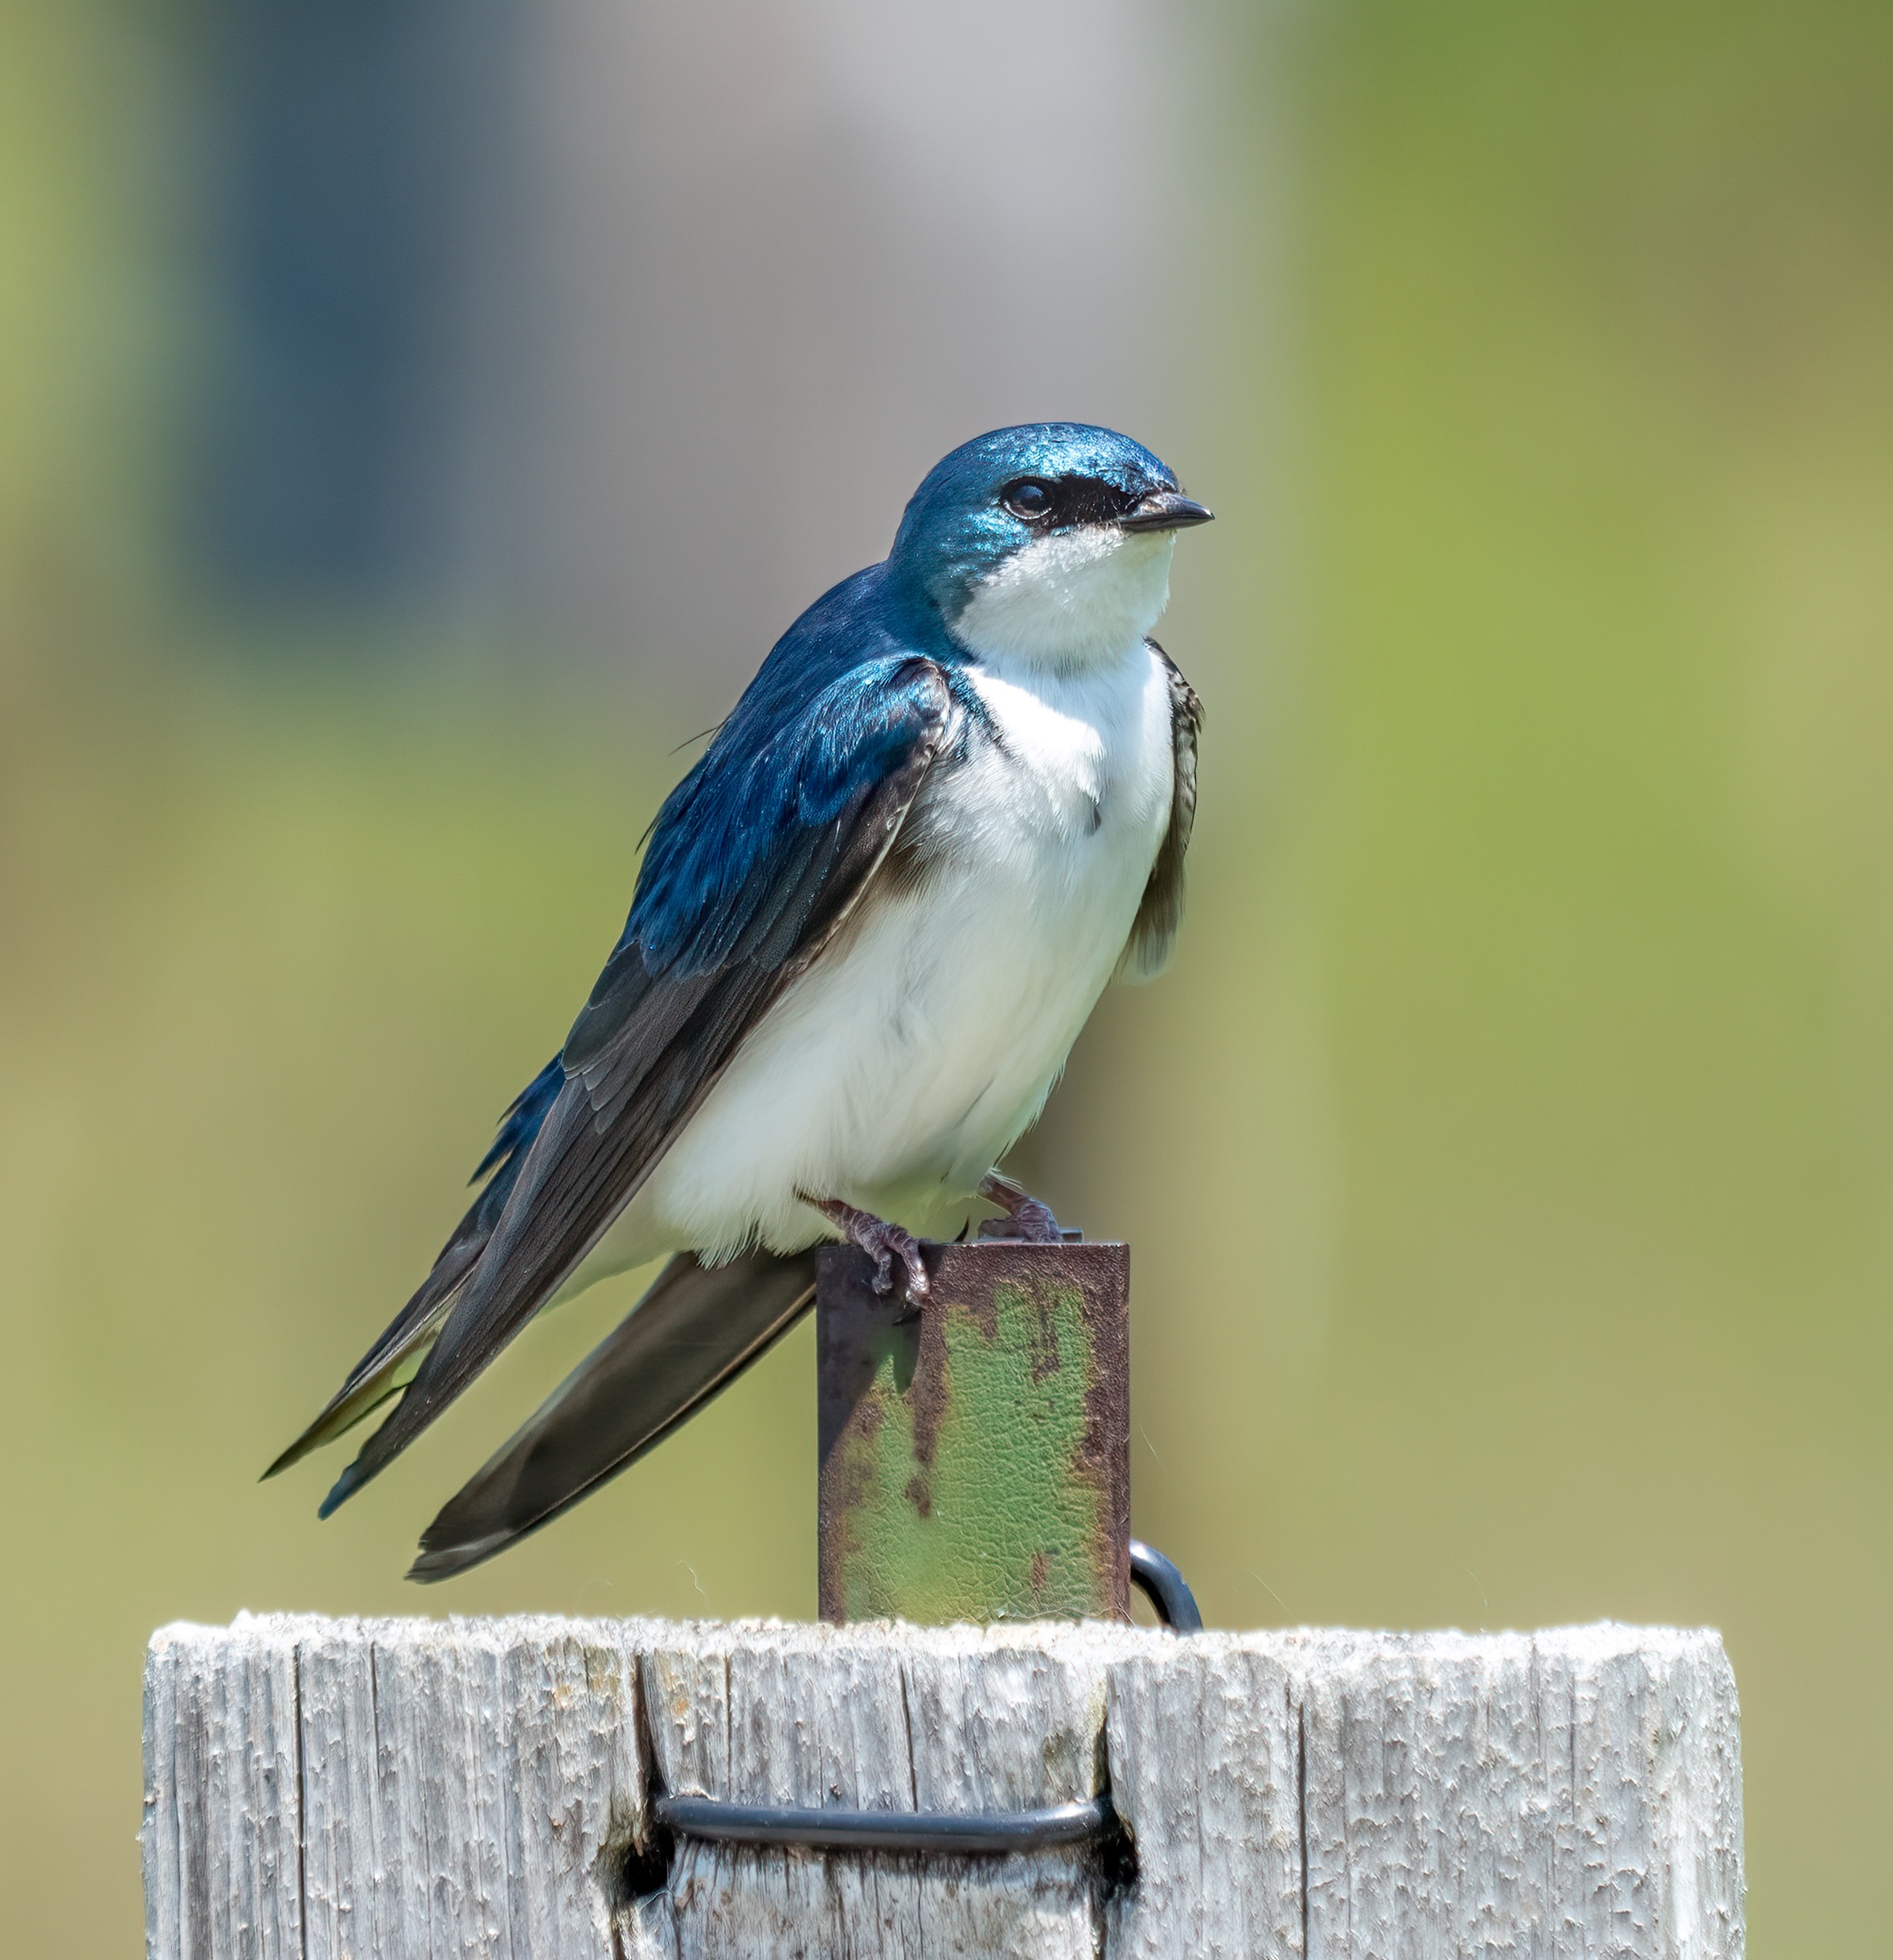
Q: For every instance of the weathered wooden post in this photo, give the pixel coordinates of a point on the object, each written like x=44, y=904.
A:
x=317, y=1789
x=1042, y=1778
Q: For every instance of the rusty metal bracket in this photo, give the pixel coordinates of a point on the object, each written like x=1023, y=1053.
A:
x=975, y=1454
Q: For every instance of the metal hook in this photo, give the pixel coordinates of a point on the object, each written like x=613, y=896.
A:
x=1165, y=1587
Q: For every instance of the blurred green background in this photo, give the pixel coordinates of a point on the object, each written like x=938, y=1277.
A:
x=1508, y=1156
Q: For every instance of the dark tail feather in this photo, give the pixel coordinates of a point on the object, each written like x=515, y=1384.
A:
x=693, y=1333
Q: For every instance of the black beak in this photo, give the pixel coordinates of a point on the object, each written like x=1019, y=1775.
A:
x=1165, y=510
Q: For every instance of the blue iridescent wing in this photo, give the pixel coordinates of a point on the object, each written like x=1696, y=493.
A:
x=754, y=863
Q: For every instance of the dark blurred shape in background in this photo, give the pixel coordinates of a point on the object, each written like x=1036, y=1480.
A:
x=417, y=420
x=358, y=156
x=634, y=325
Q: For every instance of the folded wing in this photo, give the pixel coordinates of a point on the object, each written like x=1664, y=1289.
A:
x=754, y=864
x=1161, y=910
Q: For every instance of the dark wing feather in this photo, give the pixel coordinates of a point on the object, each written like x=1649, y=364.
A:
x=688, y=1338
x=755, y=862
x=391, y=1362
x=1161, y=913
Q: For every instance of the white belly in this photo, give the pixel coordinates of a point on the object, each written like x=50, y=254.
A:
x=899, y=1069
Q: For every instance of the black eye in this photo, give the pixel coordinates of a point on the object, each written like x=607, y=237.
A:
x=1028, y=498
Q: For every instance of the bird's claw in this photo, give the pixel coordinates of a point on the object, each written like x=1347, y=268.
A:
x=1028, y=1218
x=904, y=1245
x=1034, y=1221
x=883, y=1241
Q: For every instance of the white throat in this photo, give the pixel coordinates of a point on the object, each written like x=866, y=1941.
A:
x=1069, y=600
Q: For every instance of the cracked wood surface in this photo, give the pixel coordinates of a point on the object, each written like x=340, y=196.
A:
x=409, y=1787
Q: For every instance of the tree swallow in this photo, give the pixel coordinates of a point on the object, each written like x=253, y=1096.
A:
x=953, y=803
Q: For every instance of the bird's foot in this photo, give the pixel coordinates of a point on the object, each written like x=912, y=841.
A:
x=883, y=1242
x=1031, y=1217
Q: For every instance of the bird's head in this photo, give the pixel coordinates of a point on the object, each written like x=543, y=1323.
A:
x=1048, y=544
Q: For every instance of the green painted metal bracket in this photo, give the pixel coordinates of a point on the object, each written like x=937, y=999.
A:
x=975, y=1454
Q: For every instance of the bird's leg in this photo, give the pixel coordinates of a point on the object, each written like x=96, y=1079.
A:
x=1031, y=1217
x=882, y=1242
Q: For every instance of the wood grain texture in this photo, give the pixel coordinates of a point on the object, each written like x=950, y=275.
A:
x=396, y=1788
x=1573, y=1793
x=223, y=1793
x=1205, y=1749
x=876, y=1718
x=359, y=1788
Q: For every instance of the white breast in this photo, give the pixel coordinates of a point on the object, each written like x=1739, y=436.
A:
x=897, y=1071
x=1069, y=600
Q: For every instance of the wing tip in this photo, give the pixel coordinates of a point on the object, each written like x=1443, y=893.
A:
x=322, y=1430
x=344, y=1487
